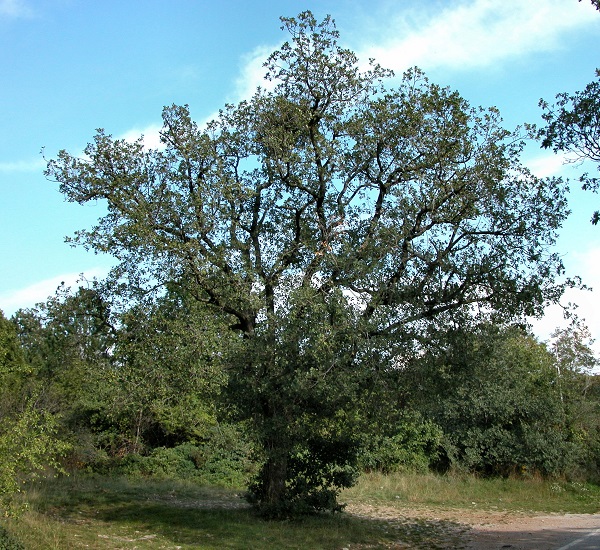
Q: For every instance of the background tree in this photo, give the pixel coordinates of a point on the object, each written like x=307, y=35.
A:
x=13, y=369
x=572, y=352
x=495, y=393
x=573, y=125
x=123, y=383
x=328, y=224
x=28, y=434
x=67, y=341
x=168, y=375
x=578, y=384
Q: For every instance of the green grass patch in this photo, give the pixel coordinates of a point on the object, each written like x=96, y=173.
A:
x=455, y=491
x=107, y=513
x=102, y=512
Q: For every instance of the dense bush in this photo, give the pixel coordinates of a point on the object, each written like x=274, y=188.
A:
x=497, y=395
x=414, y=447
x=225, y=459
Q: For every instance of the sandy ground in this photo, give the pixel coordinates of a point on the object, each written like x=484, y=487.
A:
x=491, y=530
x=548, y=532
x=464, y=529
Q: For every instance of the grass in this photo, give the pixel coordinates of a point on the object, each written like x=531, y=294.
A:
x=466, y=492
x=102, y=512
x=111, y=513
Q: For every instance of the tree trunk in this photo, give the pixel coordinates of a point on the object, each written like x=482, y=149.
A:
x=274, y=480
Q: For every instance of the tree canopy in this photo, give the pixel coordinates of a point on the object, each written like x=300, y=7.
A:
x=574, y=127
x=595, y=3
x=28, y=434
x=327, y=224
x=497, y=396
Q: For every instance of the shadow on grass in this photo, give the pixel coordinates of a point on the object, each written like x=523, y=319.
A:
x=187, y=516
x=240, y=529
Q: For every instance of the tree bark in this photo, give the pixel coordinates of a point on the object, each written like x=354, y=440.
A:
x=274, y=480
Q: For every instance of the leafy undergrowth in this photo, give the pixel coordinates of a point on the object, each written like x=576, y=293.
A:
x=110, y=513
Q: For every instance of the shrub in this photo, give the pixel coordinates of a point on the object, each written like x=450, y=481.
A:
x=413, y=447
x=28, y=447
x=224, y=459
x=8, y=542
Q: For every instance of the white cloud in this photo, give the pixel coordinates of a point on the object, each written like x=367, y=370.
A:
x=34, y=165
x=587, y=265
x=478, y=34
x=550, y=164
x=15, y=9
x=151, y=135
x=12, y=300
x=252, y=74
x=467, y=35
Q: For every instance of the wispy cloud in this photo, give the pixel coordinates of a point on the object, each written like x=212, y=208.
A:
x=15, y=9
x=252, y=74
x=548, y=164
x=476, y=34
x=151, y=134
x=587, y=265
x=33, y=165
x=12, y=300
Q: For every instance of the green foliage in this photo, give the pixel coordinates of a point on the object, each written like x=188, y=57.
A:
x=572, y=351
x=28, y=435
x=316, y=471
x=325, y=227
x=68, y=343
x=495, y=394
x=413, y=446
x=302, y=381
x=169, y=375
x=28, y=446
x=122, y=383
x=14, y=370
x=178, y=463
x=12, y=360
x=8, y=542
x=223, y=460
x=573, y=125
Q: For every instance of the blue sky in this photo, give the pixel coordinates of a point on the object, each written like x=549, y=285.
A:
x=71, y=66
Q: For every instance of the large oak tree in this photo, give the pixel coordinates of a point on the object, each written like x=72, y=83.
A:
x=330, y=223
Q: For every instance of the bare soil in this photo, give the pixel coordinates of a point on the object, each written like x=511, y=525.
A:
x=487, y=530
x=539, y=532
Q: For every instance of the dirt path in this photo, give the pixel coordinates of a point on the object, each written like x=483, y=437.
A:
x=549, y=532
x=490, y=530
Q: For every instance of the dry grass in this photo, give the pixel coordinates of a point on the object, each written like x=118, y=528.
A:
x=111, y=513
x=455, y=491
